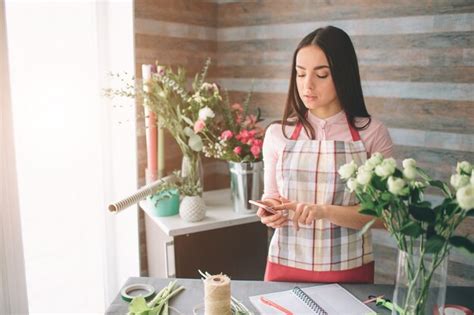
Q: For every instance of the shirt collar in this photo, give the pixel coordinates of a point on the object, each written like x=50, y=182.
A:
x=340, y=117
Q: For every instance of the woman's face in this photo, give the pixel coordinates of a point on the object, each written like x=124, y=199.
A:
x=313, y=79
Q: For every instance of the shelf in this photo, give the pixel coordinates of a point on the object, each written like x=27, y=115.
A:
x=219, y=214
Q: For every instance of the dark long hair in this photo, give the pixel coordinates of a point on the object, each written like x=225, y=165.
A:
x=340, y=53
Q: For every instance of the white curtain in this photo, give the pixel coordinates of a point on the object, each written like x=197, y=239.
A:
x=13, y=298
x=75, y=152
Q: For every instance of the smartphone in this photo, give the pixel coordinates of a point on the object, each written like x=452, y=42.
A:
x=264, y=207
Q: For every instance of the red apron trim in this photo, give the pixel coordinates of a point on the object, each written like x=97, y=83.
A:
x=296, y=132
x=277, y=272
x=354, y=132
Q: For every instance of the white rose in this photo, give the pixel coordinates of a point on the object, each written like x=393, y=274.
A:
x=205, y=113
x=385, y=169
x=465, y=197
x=458, y=181
x=410, y=173
x=417, y=184
x=396, y=186
x=472, y=177
x=464, y=166
x=347, y=170
x=375, y=159
x=352, y=184
x=370, y=164
x=408, y=163
x=364, y=177
x=390, y=161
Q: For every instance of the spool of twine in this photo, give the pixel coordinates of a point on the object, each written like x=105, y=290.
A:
x=217, y=295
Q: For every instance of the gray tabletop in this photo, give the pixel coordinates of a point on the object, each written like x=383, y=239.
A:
x=194, y=293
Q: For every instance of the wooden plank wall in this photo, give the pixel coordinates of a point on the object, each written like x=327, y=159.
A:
x=417, y=66
x=172, y=32
x=416, y=60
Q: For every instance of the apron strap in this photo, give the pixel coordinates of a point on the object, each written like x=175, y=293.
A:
x=296, y=132
x=354, y=132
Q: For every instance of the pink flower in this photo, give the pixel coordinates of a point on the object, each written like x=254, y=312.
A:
x=250, y=121
x=237, y=150
x=258, y=142
x=243, y=136
x=226, y=135
x=256, y=150
x=252, y=133
x=237, y=107
x=199, y=126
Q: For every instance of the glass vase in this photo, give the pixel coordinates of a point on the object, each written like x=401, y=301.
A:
x=192, y=169
x=421, y=283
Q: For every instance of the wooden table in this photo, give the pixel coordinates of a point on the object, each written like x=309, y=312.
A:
x=194, y=293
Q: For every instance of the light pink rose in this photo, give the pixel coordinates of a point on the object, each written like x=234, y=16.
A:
x=250, y=121
x=237, y=150
x=226, y=135
x=199, y=125
x=256, y=150
x=237, y=106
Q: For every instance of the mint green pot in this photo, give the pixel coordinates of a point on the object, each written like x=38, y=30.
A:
x=165, y=203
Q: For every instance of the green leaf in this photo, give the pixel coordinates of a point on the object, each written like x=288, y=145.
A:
x=462, y=243
x=412, y=229
x=398, y=173
x=470, y=213
x=415, y=195
x=187, y=120
x=366, y=227
x=368, y=212
x=434, y=244
x=138, y=306
x=439, y=184
x=422, y=213
x=195, y=143
x=378, y=183
x=386, y=196
x=367, y=204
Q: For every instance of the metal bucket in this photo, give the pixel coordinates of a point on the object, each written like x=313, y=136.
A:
x=246, y=182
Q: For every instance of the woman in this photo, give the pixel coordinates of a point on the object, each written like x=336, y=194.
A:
x=325, y=125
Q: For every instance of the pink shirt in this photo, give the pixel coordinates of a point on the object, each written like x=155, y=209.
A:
x=375, y=138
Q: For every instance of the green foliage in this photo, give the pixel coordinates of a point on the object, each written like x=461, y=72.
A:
x=159, y=304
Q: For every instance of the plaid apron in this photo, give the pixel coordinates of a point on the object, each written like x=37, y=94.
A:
x=307, y=172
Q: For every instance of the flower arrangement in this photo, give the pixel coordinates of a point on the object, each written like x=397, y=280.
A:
x=239, y=137
x=184, y=113
x=395, y=196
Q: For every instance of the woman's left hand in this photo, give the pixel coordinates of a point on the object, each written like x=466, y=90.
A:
x=303, y=213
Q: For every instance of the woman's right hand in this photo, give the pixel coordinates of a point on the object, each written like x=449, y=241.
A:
x=270, y=219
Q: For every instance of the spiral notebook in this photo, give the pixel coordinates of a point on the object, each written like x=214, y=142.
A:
x=330, y=299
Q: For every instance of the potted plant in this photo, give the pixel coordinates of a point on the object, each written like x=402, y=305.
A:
x=165, y=200
x=238, y=139
x=424, y=233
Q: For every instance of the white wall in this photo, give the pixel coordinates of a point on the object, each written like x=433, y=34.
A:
x=73, y=157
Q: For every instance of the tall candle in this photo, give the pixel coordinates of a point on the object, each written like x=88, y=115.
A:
x=151, y=132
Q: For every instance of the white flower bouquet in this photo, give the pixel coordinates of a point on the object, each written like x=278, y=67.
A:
x=395, y=196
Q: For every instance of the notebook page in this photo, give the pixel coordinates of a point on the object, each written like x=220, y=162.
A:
x=333, y=298
x=285, y=298
x=338, y=299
